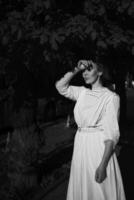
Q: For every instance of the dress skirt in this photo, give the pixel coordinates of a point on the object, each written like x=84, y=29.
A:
x=87, y=154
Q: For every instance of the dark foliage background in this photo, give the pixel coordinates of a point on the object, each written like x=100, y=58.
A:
x=42, y=39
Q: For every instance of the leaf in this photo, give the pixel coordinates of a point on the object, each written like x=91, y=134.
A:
x=101, y=11
x=93, y=35
x=5, y=40
x=125, y=4
x=43, y=39
x=13, y=28
x=89, y=29
x=131, y=10
x=56, y=38
x=46, y=56
x=53, y=42
x=102, y=44
x=132, y=50
x=47, y=17
x=47, y=4
x=19, y=35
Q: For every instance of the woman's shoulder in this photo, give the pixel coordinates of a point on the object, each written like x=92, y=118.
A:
x=82, y=88
x=110, y=94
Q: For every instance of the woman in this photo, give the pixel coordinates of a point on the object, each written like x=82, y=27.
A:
x=95, y=174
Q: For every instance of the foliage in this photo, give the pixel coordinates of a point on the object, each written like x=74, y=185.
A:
x=53, y=28
x=40, y=33
x=23, y=160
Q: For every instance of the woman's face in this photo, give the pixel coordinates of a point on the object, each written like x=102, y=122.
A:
x=91, y=74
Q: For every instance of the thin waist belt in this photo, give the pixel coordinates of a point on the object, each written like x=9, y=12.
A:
x=90, y=128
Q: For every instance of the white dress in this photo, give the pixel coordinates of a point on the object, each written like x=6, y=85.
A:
x=96, y=113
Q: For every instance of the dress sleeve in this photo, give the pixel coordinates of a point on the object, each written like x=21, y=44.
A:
x=68, y=91
x=111, y=119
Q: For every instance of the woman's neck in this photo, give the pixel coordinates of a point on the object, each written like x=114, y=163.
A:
x=97, y=85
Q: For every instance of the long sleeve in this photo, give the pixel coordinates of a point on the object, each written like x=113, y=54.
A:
x=69, y=91
x=111, y=118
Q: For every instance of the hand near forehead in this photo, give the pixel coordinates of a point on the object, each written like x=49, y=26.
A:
x=83, y=64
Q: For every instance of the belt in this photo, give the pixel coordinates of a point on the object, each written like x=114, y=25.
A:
x=90, y=128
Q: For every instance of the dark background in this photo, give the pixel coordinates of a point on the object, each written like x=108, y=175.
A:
x=40, y=40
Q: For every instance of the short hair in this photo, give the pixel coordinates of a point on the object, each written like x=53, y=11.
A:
x=103, y=66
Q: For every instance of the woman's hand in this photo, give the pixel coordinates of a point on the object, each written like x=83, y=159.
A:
x=82, y=64
x=100, y=174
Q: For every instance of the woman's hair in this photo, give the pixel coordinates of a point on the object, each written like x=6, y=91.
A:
x=103, y=66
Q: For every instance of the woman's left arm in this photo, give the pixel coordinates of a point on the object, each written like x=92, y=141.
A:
x=101, y=170
x=109, y=150
x=111, y=135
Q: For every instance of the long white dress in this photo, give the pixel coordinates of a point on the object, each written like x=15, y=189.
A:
x=96, y=113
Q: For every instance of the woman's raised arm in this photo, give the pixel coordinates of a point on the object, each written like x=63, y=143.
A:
x=63, y=87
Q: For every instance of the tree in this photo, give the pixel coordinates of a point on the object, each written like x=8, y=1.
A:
x=47, y=34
